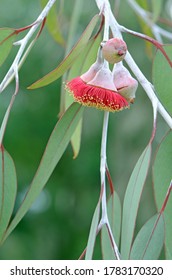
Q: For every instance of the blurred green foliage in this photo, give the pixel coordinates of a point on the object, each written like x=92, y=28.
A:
x=57, y=225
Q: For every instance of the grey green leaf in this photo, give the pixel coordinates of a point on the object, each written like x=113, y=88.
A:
x=132, y=199
x=8, y=189
x=7, y=37
x=162, y=175
x=55, y=148
x=162, y=73
x=149, y=241
x=114, y=215
x=68, y=60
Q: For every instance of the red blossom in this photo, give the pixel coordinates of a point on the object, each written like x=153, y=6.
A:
x=96, y=96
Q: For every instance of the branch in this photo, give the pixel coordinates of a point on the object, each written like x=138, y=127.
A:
x=23, y=43
x=146, y=16
x=147, y=86
x=20, y=57
x=104, y=218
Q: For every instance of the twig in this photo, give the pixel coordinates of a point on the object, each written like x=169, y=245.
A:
x=20, y=57
x=146, y=16
x=7, y=114
x=104, y=8
x=104, y=218
x=23, y=43
x=147, y=86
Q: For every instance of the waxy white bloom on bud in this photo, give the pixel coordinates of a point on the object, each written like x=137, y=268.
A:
x=114, y=50
x=126, y=85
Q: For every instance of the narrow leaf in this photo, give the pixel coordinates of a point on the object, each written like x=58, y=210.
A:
x=7, y=37
x=72, y=56
x=73, y=27
x=55, y=148
x=114, y=215
x=93, y=233
x=8, y=189
x=52, y=23
x=132, y=200
x=162, y=175
x=156, y=8
x=162, y=73
x=82, y=64
x=149, y=241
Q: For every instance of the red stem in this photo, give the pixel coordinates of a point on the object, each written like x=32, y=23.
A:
x=154, y=42
x=109, y=180
x=166, y=198
x=19, y=30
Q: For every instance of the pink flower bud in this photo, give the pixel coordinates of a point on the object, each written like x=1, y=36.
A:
x=114, y=50
x=124, y=82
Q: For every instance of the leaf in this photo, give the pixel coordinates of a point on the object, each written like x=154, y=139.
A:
x=162, y=73
x=7, y=37
x=8, y=189
x=93, y=233
x=55, y=148
x=156, y=9
x=53, y=24
x=82, y=64
x=114, y=215
x=68, y=60
x=162, y=175
x=72, y=31
x=149, y=241
x=132, y=199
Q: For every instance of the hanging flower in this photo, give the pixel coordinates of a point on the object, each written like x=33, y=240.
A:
x=99, y=92
x=98, y=87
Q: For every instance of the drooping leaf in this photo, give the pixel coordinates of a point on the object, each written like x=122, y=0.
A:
x=82, y=64
x=132, y=199
x=93, y=233
x=114, y=215
x=72, y=56
x=52, y=23
x=162, y=73
x=8, y=189
x=156, y=8
x=55, y=148
x=7, y=37
x=73, y=27
x=149, y=241
x=162, y=175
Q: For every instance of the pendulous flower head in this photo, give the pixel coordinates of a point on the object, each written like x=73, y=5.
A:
x=99, y=87
x=100, y=92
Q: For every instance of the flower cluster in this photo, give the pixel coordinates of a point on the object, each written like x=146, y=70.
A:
x=101, y=88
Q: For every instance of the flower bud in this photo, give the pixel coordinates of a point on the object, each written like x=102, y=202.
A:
x=124, y=82
x=114, y=50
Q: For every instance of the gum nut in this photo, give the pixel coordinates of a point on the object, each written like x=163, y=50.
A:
x=114, y=50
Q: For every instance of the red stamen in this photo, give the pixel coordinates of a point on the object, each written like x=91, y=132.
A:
x=95, y=96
